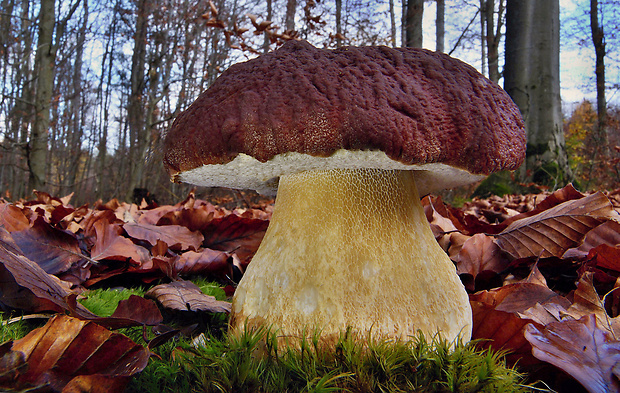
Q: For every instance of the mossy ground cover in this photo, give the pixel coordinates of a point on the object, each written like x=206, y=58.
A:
x=255, y=361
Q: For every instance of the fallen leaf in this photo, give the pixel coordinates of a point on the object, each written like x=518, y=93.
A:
x=587, y=301
x=69, y=354
x=186, y=296
x=553, y=231
x=206, y=261
x=110, y=244
x=606, y=256
x=235, y=234
x=608, y=233
x=12, y=218
x=52, y=249
x=500, y=315
x=175, y=236
x=25, y=285
x=134, y=311
x=480, y=254
x=580, y=348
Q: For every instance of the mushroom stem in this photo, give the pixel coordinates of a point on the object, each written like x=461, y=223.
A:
x=352, y=249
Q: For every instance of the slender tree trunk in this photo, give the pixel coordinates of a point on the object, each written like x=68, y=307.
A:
x=532, y=78
x=440, y=23
x=77, y=109
x=483, y=36
x=44, y=66
x=267, y=40
x=492, y=40
x=598, y=39
x=289, y=21
x=136, y=105
x=339, y=34
x=413, y=23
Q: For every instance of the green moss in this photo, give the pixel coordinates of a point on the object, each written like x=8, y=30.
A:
x=255, y=362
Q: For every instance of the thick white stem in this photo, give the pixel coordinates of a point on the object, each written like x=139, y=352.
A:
x=352, y=249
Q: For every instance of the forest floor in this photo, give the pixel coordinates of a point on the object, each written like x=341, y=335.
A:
x=541, y=271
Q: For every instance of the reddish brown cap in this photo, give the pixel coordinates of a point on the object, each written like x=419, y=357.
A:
x=425, y=110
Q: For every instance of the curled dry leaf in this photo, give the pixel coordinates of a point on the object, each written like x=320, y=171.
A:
x=608, y=233
x=134, y=311
x=110, y=244
x=606, y=257
x=52, y=249
x=580, y=348
x=175, y=236
x=206, y=261
x=500, y=315
x=26, y=286
x=68, y=354
x=587, y=301
x=12, y=218
x=235, y=234
x=553, y=231
x=480, y=254
x=186, y=296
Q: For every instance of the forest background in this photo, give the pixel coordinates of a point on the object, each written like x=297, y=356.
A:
x=89, y=87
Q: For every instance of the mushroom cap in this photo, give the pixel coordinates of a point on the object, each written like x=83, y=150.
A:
x=300, y=108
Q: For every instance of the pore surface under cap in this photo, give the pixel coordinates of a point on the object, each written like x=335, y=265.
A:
x=416, y=106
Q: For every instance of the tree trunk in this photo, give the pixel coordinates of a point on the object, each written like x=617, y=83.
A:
x=483, y=37
x=440, y=23
x=532, y=78
x=413, y=23
x=493, y=37
x=598, y=39
x=77, y=110
x=339, y=34
x=289, y=21
x=44, y=69
x=136, y=105
x=267, y=39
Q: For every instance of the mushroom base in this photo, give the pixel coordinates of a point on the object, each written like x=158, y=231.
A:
x=352, y=249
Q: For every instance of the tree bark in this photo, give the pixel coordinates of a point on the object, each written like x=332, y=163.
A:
x=493, y=37
x=413, y=23
x=289, y=21
x=483, y=37
x=532, y=78
x=44, y=68
x=339, y=23
x=440, y=24
x=267, y=39
x=136, y=105
x=598, y=39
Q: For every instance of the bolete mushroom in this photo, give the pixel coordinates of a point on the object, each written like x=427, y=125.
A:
x=349, y=138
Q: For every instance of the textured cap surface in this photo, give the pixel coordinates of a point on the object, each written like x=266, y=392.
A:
x=416, y=106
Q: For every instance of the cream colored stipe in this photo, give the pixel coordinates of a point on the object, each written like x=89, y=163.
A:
x=247, y=172
x=352, y=248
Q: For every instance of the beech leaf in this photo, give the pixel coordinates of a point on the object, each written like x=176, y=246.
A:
x=52, y=249
x=206, y=261
x=553, y=231
x=175, y=236
x=12, y=218
x=234, y=233
x=110, y=244
x=580, y=348
x=186, y=296
x=74, y=355
x=607, y=233
x=480, y=254
x=25, y=285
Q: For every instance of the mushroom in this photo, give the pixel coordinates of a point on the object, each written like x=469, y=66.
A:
x=350, y=138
